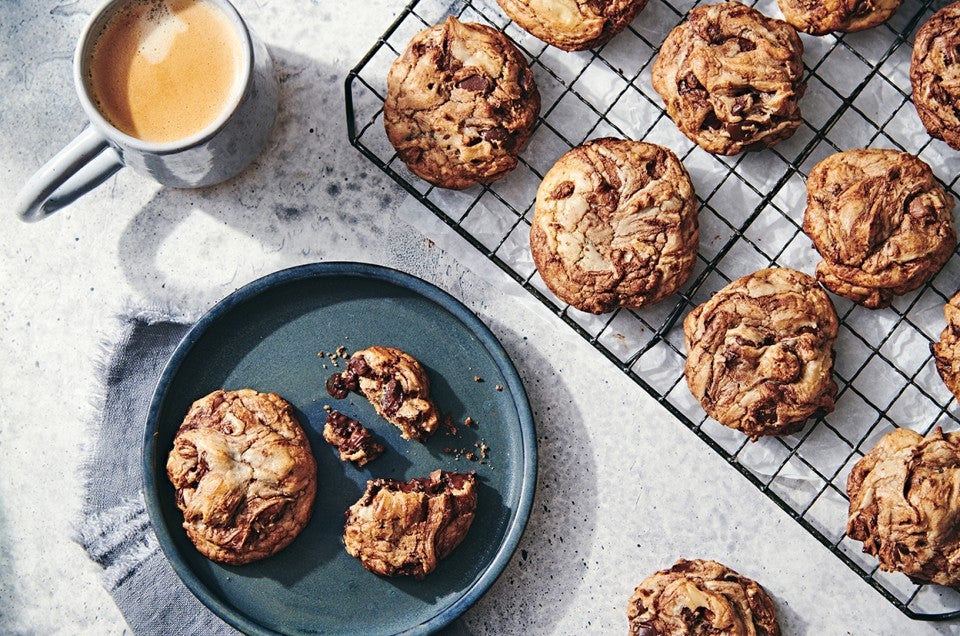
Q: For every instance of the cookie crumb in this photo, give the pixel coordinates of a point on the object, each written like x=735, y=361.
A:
x=480, y=455
x=456, y=452
x=477, y=378
x=353, y=441
x=449, y=426
x=468, y=422
x=498, y=387
x=326, y=407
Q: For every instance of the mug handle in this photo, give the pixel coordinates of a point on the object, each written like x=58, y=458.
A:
x=82, y=165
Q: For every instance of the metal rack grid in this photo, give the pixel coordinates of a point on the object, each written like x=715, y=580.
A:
x=751, y=209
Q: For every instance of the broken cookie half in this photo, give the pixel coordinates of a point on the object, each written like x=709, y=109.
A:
x=397, y=386
x=404, y=528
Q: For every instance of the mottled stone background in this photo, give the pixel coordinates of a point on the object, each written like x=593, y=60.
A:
x=624, y=488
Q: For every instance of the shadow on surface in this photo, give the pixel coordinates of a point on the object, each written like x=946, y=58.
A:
x=300, y=197
x=549, y=565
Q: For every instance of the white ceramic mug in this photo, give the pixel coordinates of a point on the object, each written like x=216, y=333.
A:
x=214, y=154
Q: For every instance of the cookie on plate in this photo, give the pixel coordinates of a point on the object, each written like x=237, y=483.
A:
x=904, y=504
x=760, y=352
x=881, y=222
x=935, y=74
x=404, y=528
x=354, y=442
x=946, y=352
x=461, y=104
x=244, y=475
x=571, y=25
x=846, y=16
x=396, y=384
x=615, y=225
x=731, y=78
x=700, y=597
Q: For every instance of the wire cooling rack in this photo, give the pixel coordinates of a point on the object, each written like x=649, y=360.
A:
x=751, y=211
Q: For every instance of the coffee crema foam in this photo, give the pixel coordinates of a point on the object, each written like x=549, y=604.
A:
x=164, y=70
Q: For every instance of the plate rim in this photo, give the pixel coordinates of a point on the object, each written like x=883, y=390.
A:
x=528, y=450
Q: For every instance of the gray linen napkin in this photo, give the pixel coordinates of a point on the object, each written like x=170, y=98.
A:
x=114, y=528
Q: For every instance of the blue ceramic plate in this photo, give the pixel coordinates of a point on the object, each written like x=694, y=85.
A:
x=267, y=336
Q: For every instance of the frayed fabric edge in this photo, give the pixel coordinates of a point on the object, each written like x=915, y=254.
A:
x=111, y=339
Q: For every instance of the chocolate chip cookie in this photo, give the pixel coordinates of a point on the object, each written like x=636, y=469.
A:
x=396, y=384
x=404, y=528
x=881, y=222
x=760, y=352
x=731, y=78
x=946, y=352
x=615, y=225
x=825, y=16
x=461, y=104
x=700, y=597
x=935, y=74
x=244, y=475
x=905, y=504
x=573, y=25
x=354, y=442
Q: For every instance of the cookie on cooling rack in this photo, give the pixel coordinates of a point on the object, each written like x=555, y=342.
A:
x=946, y=352
x=700, y=597
x=396, y=384
x=731, y=78
x=461, y=104
x=904, y=504
x=244, y=475
x=404, y=528
x=847, y=16
x=615, y=225
x=760, y=352
x=935, y=74
x=571, y=25
x=881, y=222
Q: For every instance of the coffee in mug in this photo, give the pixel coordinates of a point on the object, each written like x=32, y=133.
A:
x=179, y=90
x=164, y=70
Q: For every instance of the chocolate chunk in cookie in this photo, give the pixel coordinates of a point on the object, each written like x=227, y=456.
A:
x=935, y=74
x=905, y=504
x=731, y=78
x=244, y=475
x=824, y=16
x=615, y=225
x=404, y=528
x=397, y=386
x=881, y=222
x=760, y=352
x=700, y=597
x=355, y=443
x=571, y=25
x=461, y=104
x=946, y=352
